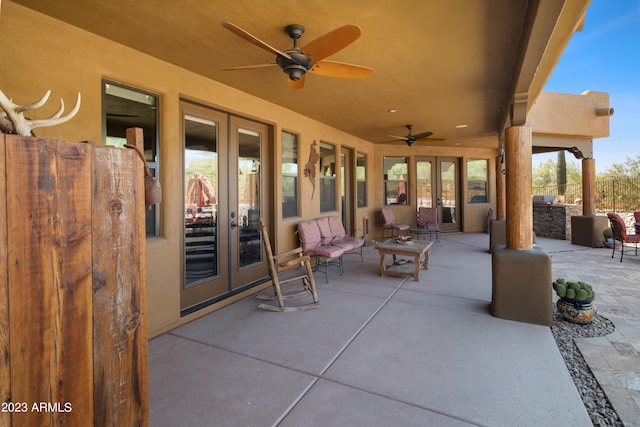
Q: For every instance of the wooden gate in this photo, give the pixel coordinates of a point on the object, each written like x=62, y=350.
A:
x=73, y=332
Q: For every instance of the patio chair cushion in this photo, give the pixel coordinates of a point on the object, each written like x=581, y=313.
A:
x=325, y=230
x=310, y=236
x=312, y=241
x=389, y=220
x=337, y=229
x=427, y=217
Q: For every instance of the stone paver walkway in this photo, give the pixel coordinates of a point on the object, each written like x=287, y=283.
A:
x=614, y=359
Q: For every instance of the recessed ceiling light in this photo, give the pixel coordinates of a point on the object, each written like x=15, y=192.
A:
x=461, y=126
x=393, y=110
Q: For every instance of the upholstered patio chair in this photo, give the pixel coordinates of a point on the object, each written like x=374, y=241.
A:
x=427, y=217
x=352, y=245
x=619, y=229
x=389, y=222
x=313, y=244
x=636, y=217
x=291, y=276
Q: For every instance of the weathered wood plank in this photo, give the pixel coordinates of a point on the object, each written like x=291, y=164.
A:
x=49, y=277
x=119, y=284
x=5, y=362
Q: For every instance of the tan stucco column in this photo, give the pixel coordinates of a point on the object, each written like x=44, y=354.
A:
x=588, y=186
x=519, y=208
x=501, y=206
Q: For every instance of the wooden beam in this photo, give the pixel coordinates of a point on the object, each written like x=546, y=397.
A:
x=588, y=186
x=5, y=365
x=48, y=192
x=119, y=263
x=519, y=207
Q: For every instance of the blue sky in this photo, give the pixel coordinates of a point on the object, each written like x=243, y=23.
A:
x=605, y=57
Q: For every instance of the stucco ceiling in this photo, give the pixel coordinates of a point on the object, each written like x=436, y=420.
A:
x=439, y=63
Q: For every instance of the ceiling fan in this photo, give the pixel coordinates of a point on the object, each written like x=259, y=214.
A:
x=296, y=62
x=411, y=139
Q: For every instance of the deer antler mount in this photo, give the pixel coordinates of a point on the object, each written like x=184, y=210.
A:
x=13, y=121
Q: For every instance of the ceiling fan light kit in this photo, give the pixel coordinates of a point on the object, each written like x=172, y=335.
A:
x=296, y=62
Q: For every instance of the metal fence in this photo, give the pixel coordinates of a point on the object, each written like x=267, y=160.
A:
x=614, y=195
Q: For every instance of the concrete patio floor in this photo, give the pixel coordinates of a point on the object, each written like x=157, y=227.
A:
x=394, y=352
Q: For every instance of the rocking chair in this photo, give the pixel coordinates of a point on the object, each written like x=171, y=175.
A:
x=291, y=275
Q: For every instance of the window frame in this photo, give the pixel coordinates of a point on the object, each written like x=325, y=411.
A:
x=471, y=192
x=361, y=193
x=396, y=181
x=330, y=180
x=296, y=160
x=152, y=215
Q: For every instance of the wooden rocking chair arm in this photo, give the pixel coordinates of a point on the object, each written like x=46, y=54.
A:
x=292, y=262
x=288, y=253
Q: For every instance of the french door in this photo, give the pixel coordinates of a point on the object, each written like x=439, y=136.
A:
x=438, y=185
x=224, y=198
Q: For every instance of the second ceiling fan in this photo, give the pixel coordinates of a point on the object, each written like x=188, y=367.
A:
x=296, y=61
x=411, y=139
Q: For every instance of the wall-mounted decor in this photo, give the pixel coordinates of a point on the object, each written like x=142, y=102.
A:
x=13, y=121
x=310, y=167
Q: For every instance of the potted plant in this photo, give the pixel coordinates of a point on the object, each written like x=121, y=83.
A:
x=607, y=238
x=576, y=300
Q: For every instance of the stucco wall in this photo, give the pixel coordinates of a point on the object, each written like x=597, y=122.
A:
x=40, y=53
x=568, y=115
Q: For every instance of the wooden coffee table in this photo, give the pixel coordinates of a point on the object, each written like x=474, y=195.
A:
x=415, y=249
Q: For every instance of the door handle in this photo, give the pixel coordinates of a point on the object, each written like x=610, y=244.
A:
x=233, y=222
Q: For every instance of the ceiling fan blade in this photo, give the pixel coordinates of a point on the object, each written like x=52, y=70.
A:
x=399, y=138
x=296, y=84
x=332, y=42
x=341, y=70
x=250, y=67
x=423, y=135
x=253, y=39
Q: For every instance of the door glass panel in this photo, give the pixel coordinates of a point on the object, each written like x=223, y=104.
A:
x=449, y=191
x=201, y=187
x=249, y=161
x=424, y=171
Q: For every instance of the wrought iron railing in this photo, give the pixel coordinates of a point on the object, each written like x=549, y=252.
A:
x=614, y=195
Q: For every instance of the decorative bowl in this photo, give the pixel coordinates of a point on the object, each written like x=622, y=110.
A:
x=403, y=240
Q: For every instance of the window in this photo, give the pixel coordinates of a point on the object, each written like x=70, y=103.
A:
x=124, y=107
x=361, y=179
x=396, y=188
x=289, y=175
x=327, y=177
x=477, y=181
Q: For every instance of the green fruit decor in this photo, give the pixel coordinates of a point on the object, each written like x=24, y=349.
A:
x=576, y=300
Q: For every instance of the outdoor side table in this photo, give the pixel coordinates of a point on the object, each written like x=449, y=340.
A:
x=415, y=249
